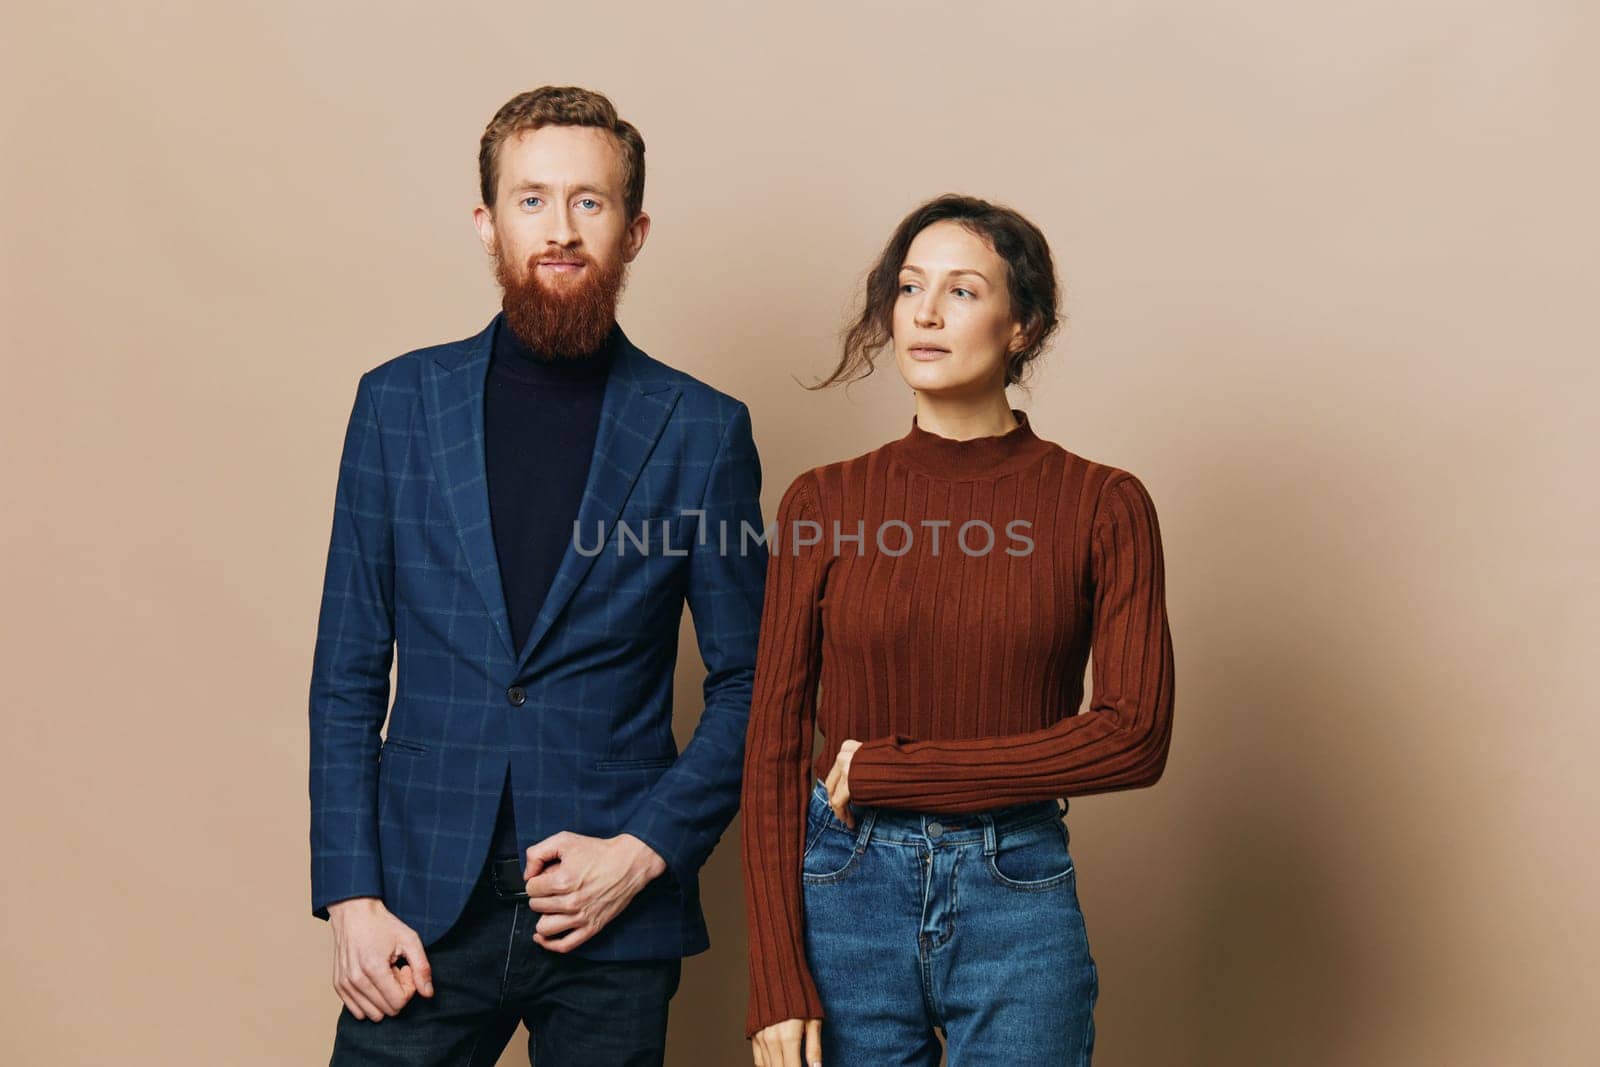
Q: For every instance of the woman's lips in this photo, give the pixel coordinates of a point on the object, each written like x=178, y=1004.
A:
x=923, y=352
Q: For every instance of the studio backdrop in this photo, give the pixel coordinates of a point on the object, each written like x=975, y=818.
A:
x=1328, y=271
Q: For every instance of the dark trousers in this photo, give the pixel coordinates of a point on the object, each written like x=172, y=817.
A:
x=488, y=975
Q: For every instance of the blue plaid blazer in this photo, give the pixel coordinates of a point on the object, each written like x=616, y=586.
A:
x=582, y=713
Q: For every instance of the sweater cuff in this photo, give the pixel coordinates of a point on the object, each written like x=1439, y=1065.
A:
x=792, y=997
x=872, y=777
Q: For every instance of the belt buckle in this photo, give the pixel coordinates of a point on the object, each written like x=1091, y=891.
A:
x=507, y=879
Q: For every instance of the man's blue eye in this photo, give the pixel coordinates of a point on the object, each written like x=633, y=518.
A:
x=588, y=200
x=526, y=199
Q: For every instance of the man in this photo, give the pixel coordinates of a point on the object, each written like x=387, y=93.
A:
x=520, y=517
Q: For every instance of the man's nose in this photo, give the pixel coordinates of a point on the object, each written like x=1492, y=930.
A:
x=562, y=231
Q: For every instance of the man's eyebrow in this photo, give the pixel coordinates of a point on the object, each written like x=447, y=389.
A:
x=964, y=270
x=541, y=187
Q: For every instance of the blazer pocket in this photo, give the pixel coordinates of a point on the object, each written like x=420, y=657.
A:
x=634, y=764
x=400, y=744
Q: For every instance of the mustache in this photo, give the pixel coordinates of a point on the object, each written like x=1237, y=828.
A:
x=558, y=257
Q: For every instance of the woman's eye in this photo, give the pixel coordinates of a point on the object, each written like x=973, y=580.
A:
x=907, y=285
x=969, y=292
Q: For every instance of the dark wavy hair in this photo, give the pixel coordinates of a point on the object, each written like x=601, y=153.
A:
x=1030, y=278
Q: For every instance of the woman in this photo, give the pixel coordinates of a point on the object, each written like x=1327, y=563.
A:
x=944, y=592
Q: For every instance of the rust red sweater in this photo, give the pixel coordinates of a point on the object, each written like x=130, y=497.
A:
x=945, y=606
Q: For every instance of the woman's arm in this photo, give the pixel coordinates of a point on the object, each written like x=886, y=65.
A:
x=1121, y=742
x=777, y=766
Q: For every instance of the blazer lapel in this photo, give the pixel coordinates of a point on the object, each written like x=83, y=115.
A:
x=633, y=413
x=452, y=395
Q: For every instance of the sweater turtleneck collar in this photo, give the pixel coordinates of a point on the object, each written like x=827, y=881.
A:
x=975, y=458
x=525, y=364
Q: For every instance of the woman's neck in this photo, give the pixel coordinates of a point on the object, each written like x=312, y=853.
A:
x=965, y=419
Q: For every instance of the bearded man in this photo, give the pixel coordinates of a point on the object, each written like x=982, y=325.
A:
x=524, y=842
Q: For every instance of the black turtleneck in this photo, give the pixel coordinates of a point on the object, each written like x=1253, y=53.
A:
x=539, y=422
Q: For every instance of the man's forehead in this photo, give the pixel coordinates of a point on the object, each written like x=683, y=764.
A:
x=590, y=160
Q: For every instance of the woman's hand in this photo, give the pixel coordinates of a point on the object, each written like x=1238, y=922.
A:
x=838, y=783
x=779, y=1045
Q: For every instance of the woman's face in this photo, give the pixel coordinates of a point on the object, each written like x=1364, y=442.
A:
x=952, y=316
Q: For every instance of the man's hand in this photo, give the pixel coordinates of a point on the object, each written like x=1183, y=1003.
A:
x=780, y=1044
x=838, y=783
x=580, y=883
x=367, y=943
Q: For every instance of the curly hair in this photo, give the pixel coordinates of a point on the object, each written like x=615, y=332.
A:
x=562, y=105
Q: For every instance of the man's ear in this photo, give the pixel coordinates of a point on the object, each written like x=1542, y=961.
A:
x=633, y=240
x=483, y=219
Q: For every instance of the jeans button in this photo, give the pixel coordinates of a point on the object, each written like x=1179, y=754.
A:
x=517, y=695
x=935, y=829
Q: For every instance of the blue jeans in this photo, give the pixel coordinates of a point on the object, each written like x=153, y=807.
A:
x=965, y=923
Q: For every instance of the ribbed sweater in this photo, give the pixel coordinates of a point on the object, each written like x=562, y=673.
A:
x=961, y=670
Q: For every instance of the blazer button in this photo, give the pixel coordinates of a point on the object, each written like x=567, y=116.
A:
x=517, y=695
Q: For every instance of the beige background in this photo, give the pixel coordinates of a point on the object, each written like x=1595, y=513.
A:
x=1330, y=271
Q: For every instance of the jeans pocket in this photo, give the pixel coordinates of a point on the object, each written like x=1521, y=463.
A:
x=1032, y=858
x=831, y=852
x=831, y=858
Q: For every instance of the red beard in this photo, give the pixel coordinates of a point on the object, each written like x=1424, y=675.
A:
x=566, y=320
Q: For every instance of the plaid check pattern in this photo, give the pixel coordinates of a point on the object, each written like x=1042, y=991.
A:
x=582, y=713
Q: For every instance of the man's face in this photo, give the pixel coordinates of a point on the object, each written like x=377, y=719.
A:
x=560, y=236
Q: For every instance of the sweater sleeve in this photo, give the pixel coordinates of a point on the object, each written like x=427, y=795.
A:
x=777, y=764
x=1121, y=742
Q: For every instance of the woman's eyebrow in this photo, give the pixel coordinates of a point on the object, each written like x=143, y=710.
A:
x=964, y=270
